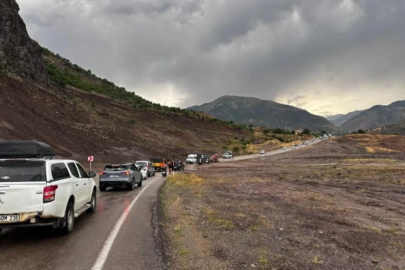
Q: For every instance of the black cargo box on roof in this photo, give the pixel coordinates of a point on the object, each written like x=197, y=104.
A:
x=25, y=149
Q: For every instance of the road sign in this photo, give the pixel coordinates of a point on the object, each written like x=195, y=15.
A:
x=90, y=158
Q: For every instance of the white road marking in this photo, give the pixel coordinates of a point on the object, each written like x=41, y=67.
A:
x=102, y=257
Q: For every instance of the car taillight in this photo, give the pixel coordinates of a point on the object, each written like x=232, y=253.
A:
x=50, y=193
x=102, y=173
x=126, y=173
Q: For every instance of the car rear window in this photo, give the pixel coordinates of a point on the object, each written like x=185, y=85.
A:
x=143, y=164
x=22, y=171
x=59, y=171
x=116, y=168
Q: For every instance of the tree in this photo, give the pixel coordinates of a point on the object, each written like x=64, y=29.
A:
x=361, y=131
x=266, y=131
x=236, y=149
x=306, y=132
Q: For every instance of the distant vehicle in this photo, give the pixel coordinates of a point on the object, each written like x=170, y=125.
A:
x=158, y=163
x=191, y=159
x=120, y=175
x=202, y=158
x=262, y=152
x=147, y=167
x=40, y=191
x=178, y=165
x=228, y=154
x=214, y=158
x=284, y=148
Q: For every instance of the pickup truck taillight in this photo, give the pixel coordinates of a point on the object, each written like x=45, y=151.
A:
x=49, y=193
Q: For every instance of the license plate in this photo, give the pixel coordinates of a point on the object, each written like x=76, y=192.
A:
x=114, y=176
x=9, y=218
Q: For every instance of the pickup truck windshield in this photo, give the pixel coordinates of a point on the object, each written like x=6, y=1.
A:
x=22, y=171
x=116, y=168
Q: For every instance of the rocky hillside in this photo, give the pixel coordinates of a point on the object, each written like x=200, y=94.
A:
x=20, y=56
x=46, y=97
x=338, y=121
x=376, y=117
x=246, y=110
x=392, y=129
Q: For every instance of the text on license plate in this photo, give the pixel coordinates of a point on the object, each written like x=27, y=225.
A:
x=114, y=176
x=9, y=218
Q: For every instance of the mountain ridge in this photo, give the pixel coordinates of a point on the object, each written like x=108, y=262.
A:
x=259, y=112
x=376, y=117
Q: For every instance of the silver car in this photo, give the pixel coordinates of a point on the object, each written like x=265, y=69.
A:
x=120, y=175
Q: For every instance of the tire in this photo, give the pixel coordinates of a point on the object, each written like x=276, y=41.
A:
x=1, y=230
x=69, y=220
x=103, y=188
x=132, y=184
x=154, y=172
x=140, y=183
x=93, y=202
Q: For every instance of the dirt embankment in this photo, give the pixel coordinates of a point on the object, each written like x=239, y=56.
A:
x=321, y=208
x=78, y=124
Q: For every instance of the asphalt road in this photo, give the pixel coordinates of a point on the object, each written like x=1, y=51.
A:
x=98, y=241
x=270, y=153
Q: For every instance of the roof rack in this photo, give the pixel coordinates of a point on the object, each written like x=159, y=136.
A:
x=25, y=149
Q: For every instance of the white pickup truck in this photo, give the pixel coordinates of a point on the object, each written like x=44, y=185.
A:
x=37, y=190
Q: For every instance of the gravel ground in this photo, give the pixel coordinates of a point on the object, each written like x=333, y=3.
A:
x=331, y=206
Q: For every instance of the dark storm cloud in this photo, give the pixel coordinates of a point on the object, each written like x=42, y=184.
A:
x=186, y=52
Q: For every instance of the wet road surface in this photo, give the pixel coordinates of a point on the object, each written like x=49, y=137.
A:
x=133, y=246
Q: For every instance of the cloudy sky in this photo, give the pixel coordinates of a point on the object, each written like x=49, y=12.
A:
x=326, y=56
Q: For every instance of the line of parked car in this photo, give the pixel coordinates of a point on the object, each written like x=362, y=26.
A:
x=201, y=159
x=38, y=190
x=127, y=175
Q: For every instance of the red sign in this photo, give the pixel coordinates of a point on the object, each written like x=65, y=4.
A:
x=90, y=158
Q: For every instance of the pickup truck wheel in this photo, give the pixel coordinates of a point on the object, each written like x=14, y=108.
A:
x=103, y=188
x=69, y=219
x=93, y=203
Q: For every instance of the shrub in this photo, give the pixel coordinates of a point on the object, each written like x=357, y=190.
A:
x=236, y=149
x=266, y=131
x=306, y=132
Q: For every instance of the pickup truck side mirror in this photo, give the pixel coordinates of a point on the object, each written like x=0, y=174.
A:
x=92, y=174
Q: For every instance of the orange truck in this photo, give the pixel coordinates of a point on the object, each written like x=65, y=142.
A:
x=158, y=163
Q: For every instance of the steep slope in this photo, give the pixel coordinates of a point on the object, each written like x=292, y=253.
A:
x=345, y=117
x=246, y=110
x=47, y=98
x=377, y=116
x=78, y=124
x=20, y=56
